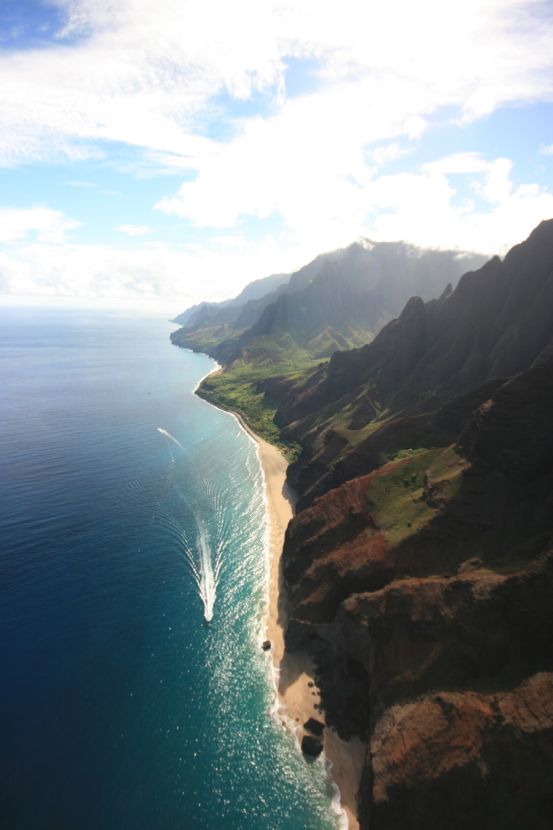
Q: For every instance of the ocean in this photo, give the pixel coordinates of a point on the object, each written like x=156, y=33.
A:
x=131, y=512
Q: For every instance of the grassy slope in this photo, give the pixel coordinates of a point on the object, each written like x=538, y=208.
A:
x=203, y=339
x=397, y=495
x=235, y=388
x=278, y=354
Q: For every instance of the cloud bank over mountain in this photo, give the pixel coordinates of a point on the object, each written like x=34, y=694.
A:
x=305, y=123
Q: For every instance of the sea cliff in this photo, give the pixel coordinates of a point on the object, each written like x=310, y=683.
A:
x=416, y=574
x=423, y=592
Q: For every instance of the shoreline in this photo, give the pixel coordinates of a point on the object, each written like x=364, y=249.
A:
x=293, y=675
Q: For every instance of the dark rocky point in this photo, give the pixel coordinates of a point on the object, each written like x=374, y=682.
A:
x=314, y=726
x=312, y=746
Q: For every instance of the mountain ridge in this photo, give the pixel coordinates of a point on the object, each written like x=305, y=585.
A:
x=339, y=299
x=432, y=352
x=418, y=569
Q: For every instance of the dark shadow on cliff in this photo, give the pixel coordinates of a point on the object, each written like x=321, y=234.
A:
x=433, y=570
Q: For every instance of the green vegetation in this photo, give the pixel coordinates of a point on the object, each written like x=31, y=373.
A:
x=236, y=388
x=407, y=453
x=355, y=436
x=327, y=341
x=204, y=339
x=275, y=354
x=397, y=497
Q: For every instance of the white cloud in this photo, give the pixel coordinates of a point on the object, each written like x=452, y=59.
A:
x=546, y=149
x=427, y=206
x=142, y=75
x=145, y=74
x=423, y=206
x=495, y=185
x=47, y=225
x=150, y=273
x=388, y=152
x=458, y=163
x=151, y=76
x=426, y=202
x=312, y=162
x=229, y=241
x=133, y=230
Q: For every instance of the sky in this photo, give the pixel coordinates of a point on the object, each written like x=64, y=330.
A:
x=154, y=153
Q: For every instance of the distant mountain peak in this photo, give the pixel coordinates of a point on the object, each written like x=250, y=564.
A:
x=365, y=243
x=338, y=300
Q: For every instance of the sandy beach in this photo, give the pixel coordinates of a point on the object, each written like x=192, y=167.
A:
x=294, y=675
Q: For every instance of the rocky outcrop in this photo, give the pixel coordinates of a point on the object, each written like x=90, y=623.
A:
x=423, y=591
x=314, y=727
x=311, y=745
x=452, y=760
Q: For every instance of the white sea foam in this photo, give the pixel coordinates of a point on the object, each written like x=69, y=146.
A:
x=203, y=566
x=201, y=380
x=204, y=563
x=171, y=437
x=207, y=583
x=337, y=809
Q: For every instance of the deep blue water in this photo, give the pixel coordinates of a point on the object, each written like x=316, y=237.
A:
x=120, y=707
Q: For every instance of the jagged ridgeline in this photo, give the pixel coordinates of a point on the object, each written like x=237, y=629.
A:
x=419, y=567
x=339, y=300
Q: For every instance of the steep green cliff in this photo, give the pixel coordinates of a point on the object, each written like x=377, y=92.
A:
x=418, y=571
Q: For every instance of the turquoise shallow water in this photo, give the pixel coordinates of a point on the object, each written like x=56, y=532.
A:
x=120, y=706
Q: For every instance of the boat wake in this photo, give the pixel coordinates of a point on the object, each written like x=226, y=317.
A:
x=203, y=550
x=207, y=576
x=171, y=437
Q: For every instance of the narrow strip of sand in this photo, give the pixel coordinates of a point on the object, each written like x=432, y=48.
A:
x=294, y=673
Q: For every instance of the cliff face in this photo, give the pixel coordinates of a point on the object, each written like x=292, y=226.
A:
x=419, y=568
x=339, y=300
x=497, y=322
x=479, y=760
x=347, y=296
x=423, y=590
x=228, y=311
